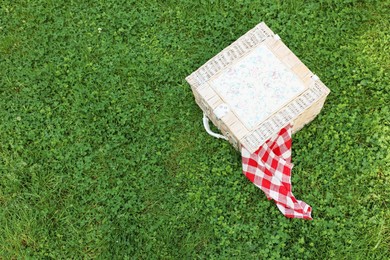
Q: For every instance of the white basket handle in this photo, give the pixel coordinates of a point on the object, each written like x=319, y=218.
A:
x=208, y=130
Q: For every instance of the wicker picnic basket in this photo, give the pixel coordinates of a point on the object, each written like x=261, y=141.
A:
x=254, y=87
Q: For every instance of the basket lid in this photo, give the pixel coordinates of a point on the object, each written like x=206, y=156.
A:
x=264, y=85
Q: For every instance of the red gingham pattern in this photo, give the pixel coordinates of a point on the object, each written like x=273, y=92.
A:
x=269, y=168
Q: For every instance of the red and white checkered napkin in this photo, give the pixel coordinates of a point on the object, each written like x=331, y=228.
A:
x=269, y=168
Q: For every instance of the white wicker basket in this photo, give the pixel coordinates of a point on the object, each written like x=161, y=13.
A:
x=254, y=87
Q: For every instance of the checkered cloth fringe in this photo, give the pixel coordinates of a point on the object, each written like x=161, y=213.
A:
x=269, y=168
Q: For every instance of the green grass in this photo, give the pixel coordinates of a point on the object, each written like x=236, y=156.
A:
x=103, y=154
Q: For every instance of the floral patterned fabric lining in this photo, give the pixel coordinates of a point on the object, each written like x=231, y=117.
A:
x=257, y=86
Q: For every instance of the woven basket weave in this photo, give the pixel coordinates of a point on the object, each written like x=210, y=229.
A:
x=256, y=86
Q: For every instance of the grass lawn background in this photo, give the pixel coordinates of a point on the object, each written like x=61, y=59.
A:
x=103, y=153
